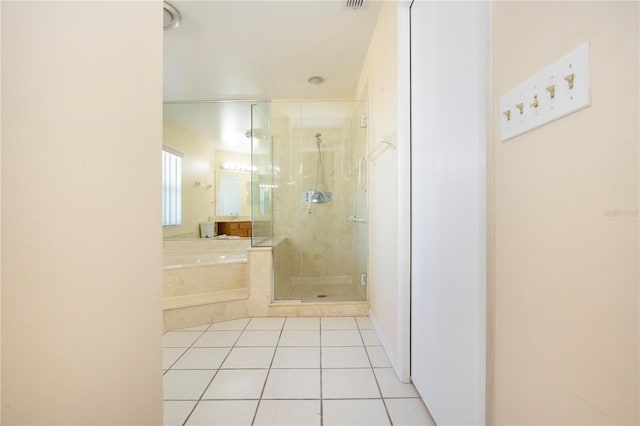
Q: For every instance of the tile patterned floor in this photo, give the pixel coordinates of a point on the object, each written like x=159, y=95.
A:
x=284, y=371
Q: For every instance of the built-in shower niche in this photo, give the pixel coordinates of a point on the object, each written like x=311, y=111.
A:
x=317, y=148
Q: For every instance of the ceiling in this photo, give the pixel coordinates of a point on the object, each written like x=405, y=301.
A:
x=226, y=126
x=239, y=49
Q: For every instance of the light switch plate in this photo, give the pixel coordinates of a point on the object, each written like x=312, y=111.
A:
x=566, y=100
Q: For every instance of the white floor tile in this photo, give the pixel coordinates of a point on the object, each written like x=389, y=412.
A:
x=228, y=413
x=265, y=324
x=349, y=383
x=175, y=412
x=202, y=358
x=378, y=356
x=354, y=412
x=300, y=338
x=341, y=338
x=258, y=338
x=370, y=338
x=338, y=323
x=408, y=412
x=185, y=384
x=237, y=384
x=238, y=324
x=249, y=358
x=392, y=387
x=170, y=355
x=344, y=357
x=179, y=339
x=288, y=413
x=308, y=357
x=304, y=323
x=212, y=339
x=288, y=376
x=293, y=384
x=364, y=323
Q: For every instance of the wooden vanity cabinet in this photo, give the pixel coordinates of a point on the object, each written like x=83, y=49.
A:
x=236, y=228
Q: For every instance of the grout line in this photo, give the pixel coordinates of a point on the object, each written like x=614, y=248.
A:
x=180, y=347
x=291, y=399
x=266, y=379
x=259, y=400
x=321, y=396
x=215, y=374
x=374, y=376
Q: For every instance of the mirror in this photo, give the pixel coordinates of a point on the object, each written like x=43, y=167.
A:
x=216, y=162
x=233, y=193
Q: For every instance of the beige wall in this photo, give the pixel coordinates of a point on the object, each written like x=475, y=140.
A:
x=566, y=224
x=0, y=214
x=379, y=75
x=197, y=166
x=81, y=241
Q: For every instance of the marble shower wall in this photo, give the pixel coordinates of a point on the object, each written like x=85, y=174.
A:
x=319, y=237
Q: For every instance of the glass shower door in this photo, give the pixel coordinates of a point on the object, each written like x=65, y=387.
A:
x=360, y=217
x=320, y=201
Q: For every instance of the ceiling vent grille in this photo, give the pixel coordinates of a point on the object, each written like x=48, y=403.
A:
x=355, y=4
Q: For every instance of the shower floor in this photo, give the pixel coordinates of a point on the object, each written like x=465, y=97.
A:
x=320, y=292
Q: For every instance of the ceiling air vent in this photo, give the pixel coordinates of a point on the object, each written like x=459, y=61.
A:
x=354, y=4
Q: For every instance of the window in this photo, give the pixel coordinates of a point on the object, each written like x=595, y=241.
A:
x=171, y=187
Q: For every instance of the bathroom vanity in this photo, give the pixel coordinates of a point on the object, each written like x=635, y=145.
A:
x=236, y=228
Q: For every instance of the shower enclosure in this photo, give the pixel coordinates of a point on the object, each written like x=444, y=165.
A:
x=296, y=171
x=319, y=200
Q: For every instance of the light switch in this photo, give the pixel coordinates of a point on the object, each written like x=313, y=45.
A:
x=561, y=89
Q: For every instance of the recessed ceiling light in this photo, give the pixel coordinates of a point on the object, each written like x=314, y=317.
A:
x=316, y=79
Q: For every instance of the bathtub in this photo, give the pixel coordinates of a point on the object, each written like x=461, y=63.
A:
x=195, y=259
x=201, y=276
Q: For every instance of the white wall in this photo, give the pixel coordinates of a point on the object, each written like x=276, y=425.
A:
x=449, y=79
x=380, y=76
x=81, y=238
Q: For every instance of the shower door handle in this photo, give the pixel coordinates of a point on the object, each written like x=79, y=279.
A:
x=361, y=164
x=357, y=219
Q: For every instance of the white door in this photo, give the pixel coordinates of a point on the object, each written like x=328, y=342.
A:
x=449, y=56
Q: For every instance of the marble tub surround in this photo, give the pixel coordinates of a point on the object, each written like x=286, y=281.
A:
x=201, y=267
x=260, y=280
x=193, y=316
x=204, y=279
x=200, y=244
x=212, y=293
